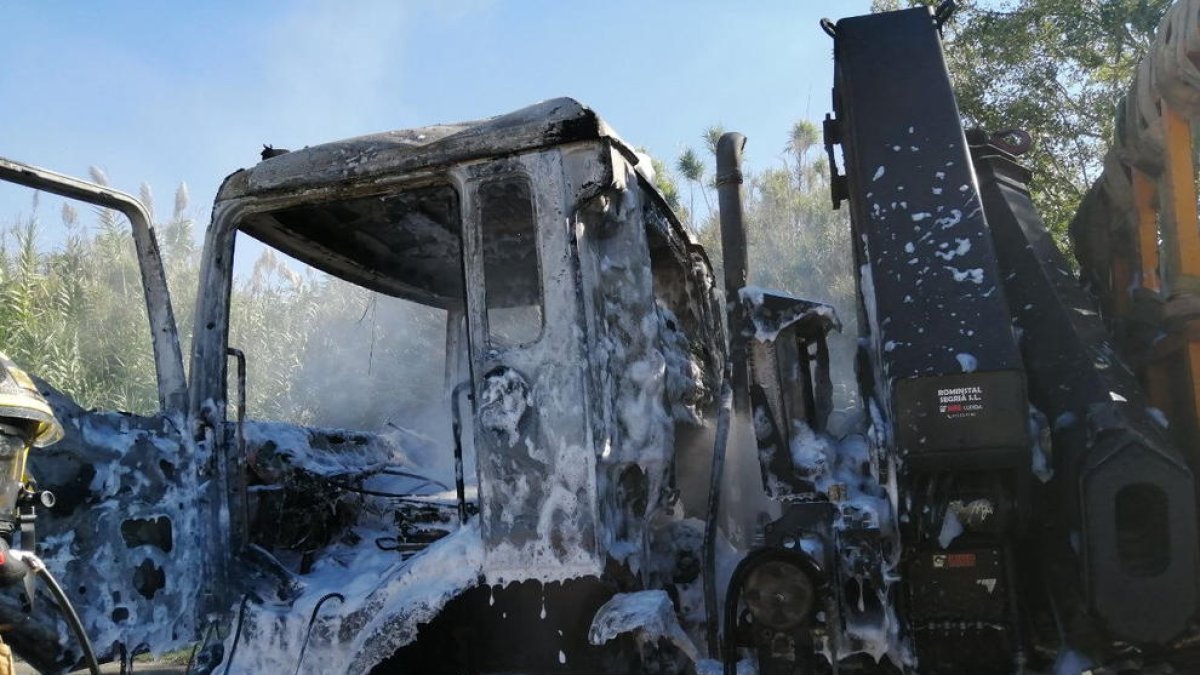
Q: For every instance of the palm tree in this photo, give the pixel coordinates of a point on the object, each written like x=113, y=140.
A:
x=711, y=136
x=803, y=136
x=692, y=169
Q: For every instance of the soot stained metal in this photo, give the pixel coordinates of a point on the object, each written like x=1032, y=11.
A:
x=657, y=472
x=580, y=292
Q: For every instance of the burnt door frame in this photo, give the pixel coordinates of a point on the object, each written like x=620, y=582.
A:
x=535, y=454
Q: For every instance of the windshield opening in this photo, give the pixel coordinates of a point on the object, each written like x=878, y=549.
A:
x=344, y=316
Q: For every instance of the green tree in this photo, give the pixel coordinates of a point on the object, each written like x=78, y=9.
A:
x=711, y=136
x=691, y=168
x=664, y=180
x=804, y=136
x=74, y=315
x=1055, y=68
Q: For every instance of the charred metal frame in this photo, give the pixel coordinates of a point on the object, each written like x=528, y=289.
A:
x=612, y=229
x=137, y=532
x=168, y=358
x=548, y=365
x=568, y=179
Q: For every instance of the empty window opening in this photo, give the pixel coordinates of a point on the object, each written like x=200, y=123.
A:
x=345, y=317
x=512, y=275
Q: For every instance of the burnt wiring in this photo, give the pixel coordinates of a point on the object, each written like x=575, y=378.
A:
x=415, y=499
x=387, y=543
x=406, y=549
x=710, y=525
x=403, y=472
x=312, y=620
x=362, y=476
x=237, y=634
x=202, y=643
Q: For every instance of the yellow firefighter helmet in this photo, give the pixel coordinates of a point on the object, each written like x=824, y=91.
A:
x=21, y=401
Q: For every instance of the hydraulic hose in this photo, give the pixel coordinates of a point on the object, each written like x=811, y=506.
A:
x=710, y=524
x=733, y=594
x=313, y=619
x=39, y=568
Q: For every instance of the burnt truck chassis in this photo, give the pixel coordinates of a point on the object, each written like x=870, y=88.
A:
x=1008, y=498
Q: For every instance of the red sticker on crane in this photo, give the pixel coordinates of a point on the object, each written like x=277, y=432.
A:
x=960, y=560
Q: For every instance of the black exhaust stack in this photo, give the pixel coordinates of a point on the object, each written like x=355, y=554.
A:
x=734, y=392
x=734, y=252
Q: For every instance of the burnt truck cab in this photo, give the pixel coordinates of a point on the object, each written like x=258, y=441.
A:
x=584, y=347
x=582, y=328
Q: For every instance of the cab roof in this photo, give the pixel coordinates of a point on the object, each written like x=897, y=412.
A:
x=549, y=123
x=406, y=244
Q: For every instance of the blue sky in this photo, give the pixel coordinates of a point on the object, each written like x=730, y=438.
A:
x=171, y=92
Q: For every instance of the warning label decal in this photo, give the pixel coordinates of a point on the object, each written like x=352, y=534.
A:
x=960, y=402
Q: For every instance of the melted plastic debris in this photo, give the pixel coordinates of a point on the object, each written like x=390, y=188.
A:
x=649, y=615
x=353, y=597
x=276, y=449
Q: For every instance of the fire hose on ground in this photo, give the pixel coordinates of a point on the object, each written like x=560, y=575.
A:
x=35, y=565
